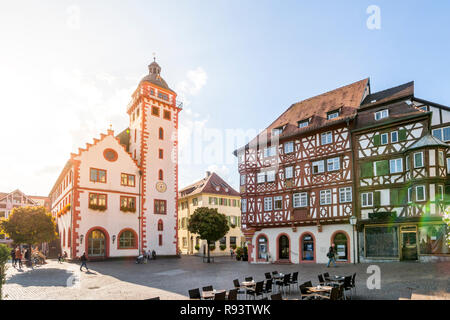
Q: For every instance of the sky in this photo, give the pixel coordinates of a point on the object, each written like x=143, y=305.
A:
x=68, y=69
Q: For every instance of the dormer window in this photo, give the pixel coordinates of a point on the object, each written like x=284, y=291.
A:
x=332, y=114
x=277, y=131
x=381, y=114
x=303, y=123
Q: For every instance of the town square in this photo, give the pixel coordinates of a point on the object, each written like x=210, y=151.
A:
x=255, y=151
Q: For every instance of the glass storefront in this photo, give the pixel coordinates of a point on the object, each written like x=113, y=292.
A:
x=340, y=243
x=432, y=239
x=307, y=248
x=381, y=242
x=283, y=247
x=262, y=248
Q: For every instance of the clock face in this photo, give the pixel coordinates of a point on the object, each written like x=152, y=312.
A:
x=161, y=186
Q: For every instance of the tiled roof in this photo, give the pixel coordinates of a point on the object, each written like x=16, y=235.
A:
x=124, y=138
x=394, y=93
x=212, y=183
x=155, y=77
x=427, y=141
x=346, y=99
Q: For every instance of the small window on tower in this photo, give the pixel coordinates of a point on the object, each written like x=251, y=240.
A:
x=161, y=153
x=161, y=133
x=155, y=111
x=167, y=115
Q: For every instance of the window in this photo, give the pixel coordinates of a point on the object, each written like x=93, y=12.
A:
x=244, y=205
x=268, y=204
x=277, y=131
x=160, y=175
x=345, y=194
x=109, y=154
x=384, y=138
x=269, y=152
x=448, y=165
x=161, y=153
x=270, y=176
x=161, y=134
x=167, y=115
x=300, y=200
x=326, y=138
x=394, y=136
x=381, y=114
x=409, y=195
x=261, y=177
x=318, y=166
x=289, y=147
x=97, y=200
x=160, y=206
x=98, y=175
x=407, y=163
x=160, y=240
x=289, y=172
x=195, y=202
x=163, y=96
x=420, y=193
x=242, y=179
x=325, y=197
x=127, y=204
x=442, y=134
x=155, y=111
x=441, y=192
x=185, y=242
x=127, y=240
x=307, y=248
x=367, y=199
x=127, y=180
x=303, y=124
x=332, y=115
x=333, y=164
x=262, y=248
x=441, y=158
x=278, y=203
x=223, y=241
x=418, y=159
x=232, y=241
x=396, y=165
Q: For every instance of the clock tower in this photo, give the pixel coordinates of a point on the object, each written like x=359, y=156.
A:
x=153, y=113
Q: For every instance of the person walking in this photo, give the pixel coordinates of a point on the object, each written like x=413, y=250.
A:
x=59, y=257
x=19, y=257
x=331, y=256
x=83, y=262
x=13, y=257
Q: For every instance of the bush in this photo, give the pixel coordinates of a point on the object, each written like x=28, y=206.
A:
x=212, y=247
x=4, y=256
x=197, y=247
x=223, y=247
x=233, y=246
x=239, y=253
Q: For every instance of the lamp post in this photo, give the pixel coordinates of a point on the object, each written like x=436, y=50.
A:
x=353, y=221
x=113, y=238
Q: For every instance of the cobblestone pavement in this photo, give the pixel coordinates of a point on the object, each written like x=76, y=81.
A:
x=171, y=278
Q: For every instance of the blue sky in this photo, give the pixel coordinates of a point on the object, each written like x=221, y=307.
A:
x=240, y=64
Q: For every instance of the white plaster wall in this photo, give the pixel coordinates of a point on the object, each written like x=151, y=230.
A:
x=322, y=243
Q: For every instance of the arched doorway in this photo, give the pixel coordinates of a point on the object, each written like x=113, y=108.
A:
x=307, y=247
x=340, y=241
x=97, y=244
x=262, y=248
x=283, y=247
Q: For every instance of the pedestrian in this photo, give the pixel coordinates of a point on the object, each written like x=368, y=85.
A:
x=149, y=254
x=231, y=253
x=60, y=257
x=331, y=256
x=83, y=262
x=13, y=257
x=153, y=254
x=19, y=257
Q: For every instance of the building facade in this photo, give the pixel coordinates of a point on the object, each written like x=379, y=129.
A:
x=401, y=176
x=17, y=199
x=297, y=182
x=212, y=192
x=118, y=196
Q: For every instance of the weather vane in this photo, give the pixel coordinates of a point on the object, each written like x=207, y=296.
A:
x=154, y=56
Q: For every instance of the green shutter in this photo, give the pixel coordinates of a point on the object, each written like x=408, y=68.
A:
x=376, y=198
x=403, y=196
x=394, y=197
x=402, y=134
x=376, y=140
x=239, y=222
x=382, y=167
x=366, y=169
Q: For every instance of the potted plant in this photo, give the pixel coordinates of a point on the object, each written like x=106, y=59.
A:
x=239, y=253
x=197, y=247
x=212, y=247
x=223, y=247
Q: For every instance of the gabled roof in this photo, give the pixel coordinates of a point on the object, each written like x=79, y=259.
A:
x=212, y=183
x=402, y=91
x=4, y=195
x=427, y=141
x=346, y=99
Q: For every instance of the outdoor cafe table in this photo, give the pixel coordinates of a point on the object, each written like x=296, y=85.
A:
x=248, y=284
x=278, y=276
x=319, y=289
x=210, y=294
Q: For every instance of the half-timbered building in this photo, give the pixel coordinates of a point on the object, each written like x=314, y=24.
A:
x=296, y=181
x=401, y=172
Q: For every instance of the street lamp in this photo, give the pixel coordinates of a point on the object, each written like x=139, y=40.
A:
x=113, y=238
x=353, y=221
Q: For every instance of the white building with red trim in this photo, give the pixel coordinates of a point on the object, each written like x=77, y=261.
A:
x=118, y=196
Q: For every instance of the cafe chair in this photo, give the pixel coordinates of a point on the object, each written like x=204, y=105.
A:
x=220, y=295
x=208, y=288
x=194, y=294
x=268, y=287
x=268, y=275
x=347, y=285
x=238, y=287
x=304, y=293
x=232, y=294
x=249, y=279
x=294, y=280
x=258, y=291
x=276, y=296
x=284, y=283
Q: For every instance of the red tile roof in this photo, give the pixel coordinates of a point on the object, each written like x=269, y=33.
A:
x=212, y=183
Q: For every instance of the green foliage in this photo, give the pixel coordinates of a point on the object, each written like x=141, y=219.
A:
x=223, y=247
x=446, y=219
x=4, y=256
x=212, y=247
x=239, y=252
x=127, y=209
x=209, y=224
x=97, y=207
x=376, y=140
x=402, y=134
x=30, y=225
x=233, y=246
x=197, y=247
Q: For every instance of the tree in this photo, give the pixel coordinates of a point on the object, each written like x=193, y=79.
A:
x=4, y=256
x=30, y=225
x=209, y=224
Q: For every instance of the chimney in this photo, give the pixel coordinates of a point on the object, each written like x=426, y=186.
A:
x=208, y=173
